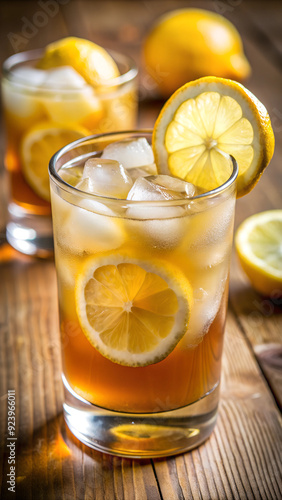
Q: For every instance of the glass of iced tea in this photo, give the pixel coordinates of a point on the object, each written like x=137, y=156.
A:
x=142, y=264
x=46, y=106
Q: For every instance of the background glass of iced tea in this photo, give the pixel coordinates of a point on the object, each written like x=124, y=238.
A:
x=34, y=116
x=169, y=406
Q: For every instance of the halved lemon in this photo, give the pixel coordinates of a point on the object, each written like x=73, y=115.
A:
x=133, y=312
x=90, y=60
x=38, y=146
x=258, y=242
x=204, y=118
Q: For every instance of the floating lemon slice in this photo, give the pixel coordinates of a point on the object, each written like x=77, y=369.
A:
x=133, y=312
x=38, y=146
x=204, y=118
x=259, y=245
x=91, y=61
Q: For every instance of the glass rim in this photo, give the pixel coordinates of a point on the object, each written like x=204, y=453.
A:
x=53, y=174
x=31, y=55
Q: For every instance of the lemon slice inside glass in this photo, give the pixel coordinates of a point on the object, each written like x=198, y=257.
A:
x=133, y=312
x=38, y=146
x=259, y=246
x=208, y=117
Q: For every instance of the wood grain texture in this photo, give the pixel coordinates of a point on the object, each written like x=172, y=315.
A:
x=242, y=459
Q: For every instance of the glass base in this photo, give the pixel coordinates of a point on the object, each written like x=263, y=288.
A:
x=29, y=233
x=140, y=435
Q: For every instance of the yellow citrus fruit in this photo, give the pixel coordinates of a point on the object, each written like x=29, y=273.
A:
x=38, y=146
x=190, y=43
x=133, y=312
x=258, y=243
x=90, y=60
x=208, y=117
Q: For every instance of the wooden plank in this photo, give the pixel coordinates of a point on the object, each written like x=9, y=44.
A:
x=270, y=360
x=242, y=457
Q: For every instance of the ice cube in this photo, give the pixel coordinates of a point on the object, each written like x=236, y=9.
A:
x=210, y=226
x=108, y=177
x=130, y=153
x=71, y=175
x=68, y=266
x=145, y=171
x=77, y=106
x=23, y=105
x=64, y=77
x=208, y=288
x=146, y=217
x=86, y=185
x=93, y=228
x=177, y=188
x=205, y=309
x=159, y=188
x=145, y=190
x=29, y=76
x=208, y=236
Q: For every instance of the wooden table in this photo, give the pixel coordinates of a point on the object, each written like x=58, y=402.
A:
x=241, y=460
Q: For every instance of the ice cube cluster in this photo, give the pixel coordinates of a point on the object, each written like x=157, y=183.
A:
x=126, y=170
x=146, y=212
x=77, y=99
x=56, y=78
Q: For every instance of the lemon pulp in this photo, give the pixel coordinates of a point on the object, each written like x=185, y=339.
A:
x=258, y=243
x=38, y=146
x=134, y=313
x=203, y=121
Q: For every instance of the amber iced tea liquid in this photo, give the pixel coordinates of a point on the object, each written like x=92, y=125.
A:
x=179, y=380
x=186, y=375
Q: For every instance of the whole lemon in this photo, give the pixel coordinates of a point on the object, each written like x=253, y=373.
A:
x=187, y=44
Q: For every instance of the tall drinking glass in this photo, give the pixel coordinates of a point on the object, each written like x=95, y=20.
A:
x=120, y=400
x=40, y=120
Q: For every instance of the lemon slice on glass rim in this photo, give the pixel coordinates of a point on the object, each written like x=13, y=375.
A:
x=258, y=243
x=204, y=118
x=90, y=60
x=134, y=312
x=39, y=145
